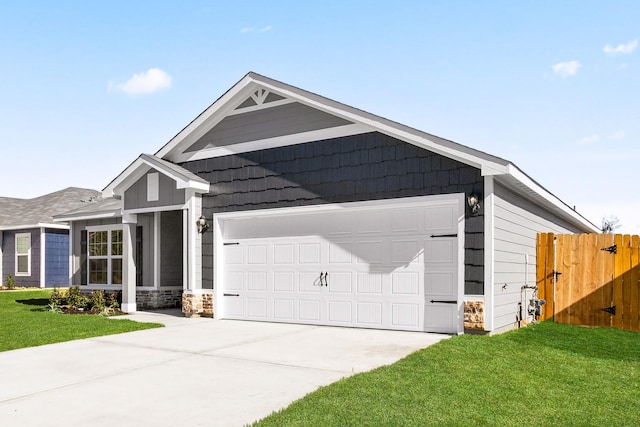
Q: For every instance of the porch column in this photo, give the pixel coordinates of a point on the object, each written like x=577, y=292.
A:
x=193, y=243
x=129, y=222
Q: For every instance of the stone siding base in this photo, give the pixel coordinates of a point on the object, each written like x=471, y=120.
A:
x=162, y=298
x=474, y=315
x=197, y=305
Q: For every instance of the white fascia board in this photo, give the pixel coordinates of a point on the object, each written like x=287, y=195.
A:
x=551, y=199
x=37, y=225
x=207, y=119
x=279, y=141
x=89, y=216
x=131, y=174
x=198, y=187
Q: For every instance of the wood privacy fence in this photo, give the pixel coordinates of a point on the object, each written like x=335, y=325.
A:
x=590, y=279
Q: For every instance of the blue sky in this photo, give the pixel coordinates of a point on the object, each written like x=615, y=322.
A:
x=553, y=86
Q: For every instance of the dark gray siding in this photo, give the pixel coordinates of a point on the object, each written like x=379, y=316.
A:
x=79, y=252
x=9, y=257
x=371, y=166
x=287, y=119
x=135, y=197
x=56, y=258
x=171, y=248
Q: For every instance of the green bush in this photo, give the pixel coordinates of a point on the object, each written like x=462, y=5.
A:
x=112, y=300
x=11, y=282
x=58, y=297
x=98, y=300
x=74, y=298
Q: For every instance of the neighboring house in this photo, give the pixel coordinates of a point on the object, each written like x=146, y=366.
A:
x=34, y=249
x=319, y=213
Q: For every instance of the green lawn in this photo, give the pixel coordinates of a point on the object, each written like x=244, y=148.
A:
x=25, y=323
x=544, y=375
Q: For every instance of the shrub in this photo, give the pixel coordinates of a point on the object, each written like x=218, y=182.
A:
x=98, y=300
x=112, y=300
x=11, y=282
x=58, y=297
x=53, y=308
x=74, y=299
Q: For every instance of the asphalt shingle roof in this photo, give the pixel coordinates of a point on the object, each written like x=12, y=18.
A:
x=41, y=210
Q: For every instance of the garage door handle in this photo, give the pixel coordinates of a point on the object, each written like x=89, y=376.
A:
x=231, y=295
x=323, y=279
x=444, y=301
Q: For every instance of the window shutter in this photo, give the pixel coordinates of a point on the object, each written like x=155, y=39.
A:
x=139, y=255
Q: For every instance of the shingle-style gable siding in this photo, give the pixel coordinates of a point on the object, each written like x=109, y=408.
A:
x=136, y=196
x=370, y=166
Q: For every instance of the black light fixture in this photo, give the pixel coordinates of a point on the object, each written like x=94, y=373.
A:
x=474, y=203
x=202, y=224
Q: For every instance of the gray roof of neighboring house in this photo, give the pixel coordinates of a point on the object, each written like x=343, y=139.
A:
x=104, y=208
x=41, y=210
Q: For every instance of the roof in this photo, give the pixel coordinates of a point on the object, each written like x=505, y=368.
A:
x=39, y=212
x=101, y=208
x=504, y=171
x=146, y=162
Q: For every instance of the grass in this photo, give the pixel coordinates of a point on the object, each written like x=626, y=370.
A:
x=544, y=375
x=25, y=323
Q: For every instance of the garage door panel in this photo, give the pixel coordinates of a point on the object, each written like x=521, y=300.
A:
x=405, y=251
x=439, y=284
x=309, y=253
x=369, y=223
x=234, y=254
x=440, y=251
x=369, y=313
x=339, y=282
x=369, y=283
x=405, y=315
x=257, y=308
x=284, y=253
x=234, y=307
x=441, y=219
x=440, y=316
x=284, y=309
x=340, y=311
x=405, y=283
x=309, y=282
x=309, y=310
x=405, y=220
x=284, y=281
x=235, y=281
x=257, y=254
x=370, y=252
x=257, y=281
x=340, y=253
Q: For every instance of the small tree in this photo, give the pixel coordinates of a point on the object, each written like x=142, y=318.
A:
x=610, y=224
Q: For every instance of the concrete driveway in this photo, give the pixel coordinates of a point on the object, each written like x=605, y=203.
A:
x=193, y=372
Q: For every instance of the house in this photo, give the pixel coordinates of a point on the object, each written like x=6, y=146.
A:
x=277, y=204
x=33, y=249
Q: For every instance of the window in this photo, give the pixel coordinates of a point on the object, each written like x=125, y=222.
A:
x=104, y=250
x=23, y=254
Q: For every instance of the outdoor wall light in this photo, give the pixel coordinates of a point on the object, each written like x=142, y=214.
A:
x=474, y=203
x=202, y=224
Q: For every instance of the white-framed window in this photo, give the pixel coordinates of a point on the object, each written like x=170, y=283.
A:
x=104, y=255
x=23, y=254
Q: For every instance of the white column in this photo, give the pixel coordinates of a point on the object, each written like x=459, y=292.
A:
x=70, y=254
x=43, y=258
x=192, y=238
x=489, y=298
x=1, y=275
x=129, y=222
x=156, y=249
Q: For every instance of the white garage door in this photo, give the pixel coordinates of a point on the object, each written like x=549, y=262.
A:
x=390, y=266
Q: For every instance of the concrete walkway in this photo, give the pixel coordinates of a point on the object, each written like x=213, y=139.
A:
x=193, y=372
